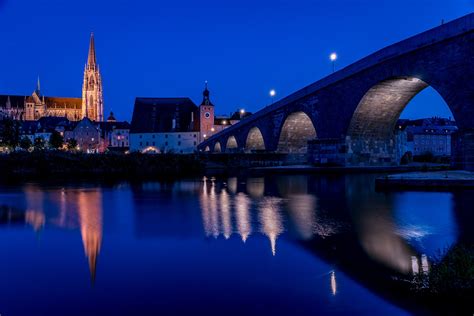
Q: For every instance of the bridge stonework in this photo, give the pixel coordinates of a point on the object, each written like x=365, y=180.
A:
x=354, y=111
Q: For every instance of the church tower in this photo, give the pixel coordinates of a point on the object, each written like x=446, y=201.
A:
x=206, y=115
x=92, y=100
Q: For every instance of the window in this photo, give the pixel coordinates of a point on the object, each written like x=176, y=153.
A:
x=153, y=136
x=141, y=144
x=194, y=143
x=140, y=136
x=146, y=143
x=166, y=143
x=179, y=136
x=194, y=135
x=166, y=135
x=153, y=143
x=179, y=143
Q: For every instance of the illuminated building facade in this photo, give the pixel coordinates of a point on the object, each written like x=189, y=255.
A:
x=36, y=105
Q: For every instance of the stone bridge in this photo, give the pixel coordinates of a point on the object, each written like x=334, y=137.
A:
x=349, y=117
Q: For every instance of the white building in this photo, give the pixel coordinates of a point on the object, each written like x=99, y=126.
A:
x=161, y=125
x=177, y=142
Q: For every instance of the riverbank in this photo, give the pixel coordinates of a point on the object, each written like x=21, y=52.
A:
x=448, y=179
x=309, y=169
x=58, y=164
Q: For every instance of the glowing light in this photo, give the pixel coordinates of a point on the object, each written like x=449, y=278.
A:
x=242, y=111
x=272, y=93
x=204, y=135
x=333, y=57
x=213, y=129
x=224, y=122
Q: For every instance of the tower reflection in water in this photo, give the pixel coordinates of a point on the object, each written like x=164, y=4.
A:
x=72, y=209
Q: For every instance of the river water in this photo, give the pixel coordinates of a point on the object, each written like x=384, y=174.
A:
x=276, y=245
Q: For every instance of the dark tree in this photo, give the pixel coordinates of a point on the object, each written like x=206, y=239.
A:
x=25, y=143
x=10, y=134
x=71, y=144
x=56, y=140
x=39, y=143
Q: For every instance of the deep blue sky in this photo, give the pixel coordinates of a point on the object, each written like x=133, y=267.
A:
x=169, y=48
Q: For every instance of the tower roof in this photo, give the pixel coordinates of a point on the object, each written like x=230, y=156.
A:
x=91, y=59
x=205, y=96
x=111, y=117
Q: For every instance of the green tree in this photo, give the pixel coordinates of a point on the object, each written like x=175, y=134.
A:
x=25, y=143
x=56, y=140
x=10, y=134
x=71, y=144
x=39, y=143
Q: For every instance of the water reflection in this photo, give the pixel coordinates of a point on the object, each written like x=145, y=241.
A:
x=341, y=220
x=90, y=221
x=68, y=209
x=244, y=226
x=333, y=283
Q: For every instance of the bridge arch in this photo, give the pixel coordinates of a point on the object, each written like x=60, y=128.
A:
x=295, y=133
x=207, y=148
x=371, y=136
x=254, y=140
x=231, y=143
x=217, y=147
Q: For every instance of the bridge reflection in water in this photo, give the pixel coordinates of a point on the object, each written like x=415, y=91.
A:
x=288, y=205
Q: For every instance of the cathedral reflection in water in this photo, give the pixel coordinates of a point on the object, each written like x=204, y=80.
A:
x=75, y=209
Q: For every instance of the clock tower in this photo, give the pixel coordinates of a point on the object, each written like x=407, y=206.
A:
x=206, y=115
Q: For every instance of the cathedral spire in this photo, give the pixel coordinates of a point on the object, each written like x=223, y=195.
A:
x=91, y=60
x=38, y=88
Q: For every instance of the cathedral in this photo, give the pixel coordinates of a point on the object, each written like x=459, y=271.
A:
x=36, y=105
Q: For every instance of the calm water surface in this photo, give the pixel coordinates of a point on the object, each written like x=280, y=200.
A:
x=295, y=245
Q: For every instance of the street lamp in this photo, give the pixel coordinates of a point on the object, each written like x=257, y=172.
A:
x=333, y=58
x=242, y=112
x=272, y=94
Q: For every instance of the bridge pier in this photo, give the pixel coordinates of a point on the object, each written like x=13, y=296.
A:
x=357, y=151
x=462, y=148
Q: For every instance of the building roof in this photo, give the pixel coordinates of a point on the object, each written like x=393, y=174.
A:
x=110, y=126
x=63, y=103
x=18, y=101
x=156, y=115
